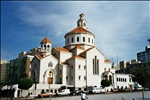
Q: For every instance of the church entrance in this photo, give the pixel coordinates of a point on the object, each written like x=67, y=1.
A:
x=50, y=77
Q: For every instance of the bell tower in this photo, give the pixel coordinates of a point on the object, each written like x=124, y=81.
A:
x=46, y=46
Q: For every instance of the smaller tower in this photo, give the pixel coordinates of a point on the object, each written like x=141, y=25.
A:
x=81, y=21
x=46, y=46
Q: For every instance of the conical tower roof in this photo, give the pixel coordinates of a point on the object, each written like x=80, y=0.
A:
x=46, y=40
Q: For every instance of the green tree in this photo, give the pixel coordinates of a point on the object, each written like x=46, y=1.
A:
x=24, y=75
x=105, y=83
x=142, y=76
x=25, y=83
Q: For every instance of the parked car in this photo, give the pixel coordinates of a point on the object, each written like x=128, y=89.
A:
x=146, y=89
x=139, y=88
x=126, y=89
x=97, y=90
x=64, y=92
x=116, y=90
x=45, y=95
x=76, y=92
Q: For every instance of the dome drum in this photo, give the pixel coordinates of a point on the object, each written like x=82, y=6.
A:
x=79, y=39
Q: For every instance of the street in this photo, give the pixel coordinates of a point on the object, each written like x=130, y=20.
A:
x=114, y=96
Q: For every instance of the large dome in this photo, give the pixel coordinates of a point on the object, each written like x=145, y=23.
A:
x=80, y=35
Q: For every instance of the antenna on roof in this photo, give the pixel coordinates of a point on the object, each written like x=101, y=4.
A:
x=112, y=63
x=117, y=60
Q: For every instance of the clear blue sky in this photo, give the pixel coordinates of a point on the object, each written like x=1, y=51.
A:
x=121, y=28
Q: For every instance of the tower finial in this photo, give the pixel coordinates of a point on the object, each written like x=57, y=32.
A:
x=81, y=16
x=81, y=21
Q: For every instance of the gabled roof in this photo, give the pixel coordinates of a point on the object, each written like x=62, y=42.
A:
x=40, y=56
x=46, y=40
x=64, y=63
x=79, y=30
x=77, y=56
x=79, y=47
x=86, y=50
x=62, y=49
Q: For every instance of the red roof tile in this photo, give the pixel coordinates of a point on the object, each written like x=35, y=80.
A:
x=62, y=49
x=79, y=47
x=75, y=57
x=64, y=63
x=46, y=40
x=107, y=61
x=40, y=56
x=87, y=50
x=79, y=30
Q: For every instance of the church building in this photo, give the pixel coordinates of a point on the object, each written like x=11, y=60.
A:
x=79, y=64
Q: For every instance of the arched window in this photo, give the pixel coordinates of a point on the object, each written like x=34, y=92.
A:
x=45, y=46
x=78, y=24
x=121, y=79
x=89, y=40
x=79, y=77
x=77, y=39
x=72, y=39
x=95, y=65
x=125, y=80
x=130, y=79
x=79, y=66
x=84, y=66
x=84, y=77
x=83, y=39
x=67, y=40
x=84, y=24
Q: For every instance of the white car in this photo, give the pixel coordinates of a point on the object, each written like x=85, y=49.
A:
x=139, y=88
x=64, y=92
x=97, y=90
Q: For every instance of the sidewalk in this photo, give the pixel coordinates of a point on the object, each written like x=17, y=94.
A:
x=18, y=98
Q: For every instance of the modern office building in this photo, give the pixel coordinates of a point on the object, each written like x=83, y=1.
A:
x=144, y=56
x=3, y=70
